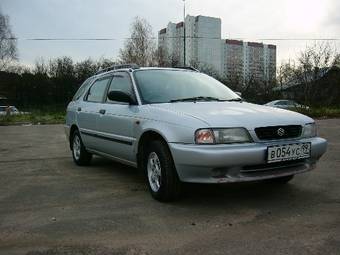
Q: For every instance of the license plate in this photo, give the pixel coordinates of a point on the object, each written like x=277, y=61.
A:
x=286, y=152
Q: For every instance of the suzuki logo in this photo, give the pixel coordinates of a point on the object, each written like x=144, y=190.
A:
x=281, y=132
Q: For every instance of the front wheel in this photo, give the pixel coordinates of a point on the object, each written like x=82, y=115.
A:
x=80, y=156
x=161, y=175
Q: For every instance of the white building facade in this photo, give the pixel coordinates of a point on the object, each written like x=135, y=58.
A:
x=204, y=48
x=202, y=41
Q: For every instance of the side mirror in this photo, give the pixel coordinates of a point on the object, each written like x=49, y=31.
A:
x=120, y=96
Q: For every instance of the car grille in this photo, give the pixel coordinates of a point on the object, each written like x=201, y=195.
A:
x=278, y=132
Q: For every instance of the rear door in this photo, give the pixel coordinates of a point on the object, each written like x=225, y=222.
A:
x=88, y=112
x=117, y=120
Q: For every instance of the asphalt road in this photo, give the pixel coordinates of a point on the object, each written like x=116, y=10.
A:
x=50, y=206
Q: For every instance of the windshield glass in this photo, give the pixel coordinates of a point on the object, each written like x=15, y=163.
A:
x=164, y=86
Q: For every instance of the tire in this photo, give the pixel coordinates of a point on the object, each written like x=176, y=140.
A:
x=80, y=156
x=281, y=180
x=160, y=172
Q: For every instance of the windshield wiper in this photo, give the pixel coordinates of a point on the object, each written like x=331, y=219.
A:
x=194, y=99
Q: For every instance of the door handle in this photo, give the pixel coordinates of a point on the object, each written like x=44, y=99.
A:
x=102, y=111
x=79, y=109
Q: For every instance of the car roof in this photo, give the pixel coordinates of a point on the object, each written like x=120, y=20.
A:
x=131, y=70
x=281, y=100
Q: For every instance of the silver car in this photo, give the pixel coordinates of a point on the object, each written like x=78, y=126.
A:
x=8, y=110
x=286, y=104
x=181, y=125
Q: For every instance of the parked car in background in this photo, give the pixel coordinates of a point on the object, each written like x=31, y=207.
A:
x=286, y=104
x=181, y=125
x=11, y=110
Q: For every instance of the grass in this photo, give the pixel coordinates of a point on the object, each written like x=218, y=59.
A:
x=35, y=117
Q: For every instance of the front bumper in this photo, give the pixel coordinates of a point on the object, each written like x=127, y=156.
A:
x=238, y=162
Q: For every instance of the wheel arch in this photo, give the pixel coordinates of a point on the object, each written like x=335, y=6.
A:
x=73, y=128
x=145, y=138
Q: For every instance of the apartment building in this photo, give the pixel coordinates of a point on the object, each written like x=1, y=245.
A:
x=202, y=42
x=235, y=59
x=246, y=61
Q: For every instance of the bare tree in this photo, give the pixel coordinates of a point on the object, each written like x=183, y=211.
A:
x=8, y=48
x=160, y=57
x=140, y=47
x=40, y=67
x=285, y=73
x=312, y=63
x=336, y=61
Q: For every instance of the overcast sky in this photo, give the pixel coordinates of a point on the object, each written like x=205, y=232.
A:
x=252, y=19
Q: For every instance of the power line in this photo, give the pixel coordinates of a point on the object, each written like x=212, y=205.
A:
x=171, y=37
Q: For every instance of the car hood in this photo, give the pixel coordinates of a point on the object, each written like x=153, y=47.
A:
x=235, y=114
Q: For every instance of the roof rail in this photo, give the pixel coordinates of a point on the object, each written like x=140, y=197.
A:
x=188, y=68
x=116, y=67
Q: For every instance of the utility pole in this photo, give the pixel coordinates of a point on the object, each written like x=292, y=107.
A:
x=184, y=39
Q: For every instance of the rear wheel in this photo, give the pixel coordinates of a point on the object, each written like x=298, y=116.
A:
x=80, y=156
x=160, y=172
x=281, y=180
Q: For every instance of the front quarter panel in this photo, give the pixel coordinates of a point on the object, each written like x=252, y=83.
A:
x=174, y=128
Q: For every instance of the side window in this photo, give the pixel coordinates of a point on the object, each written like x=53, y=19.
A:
x=121, y=81
x=81, y=89
x=97, y=90
x=281, y=103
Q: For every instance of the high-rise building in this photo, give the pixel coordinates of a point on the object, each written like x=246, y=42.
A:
x=202, y=41
x=233, y=59
x=204, y=47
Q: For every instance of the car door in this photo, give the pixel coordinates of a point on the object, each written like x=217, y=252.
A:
x=88, y=112
x=117, y=119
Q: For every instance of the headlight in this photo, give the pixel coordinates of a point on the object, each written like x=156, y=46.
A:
x=204, y=136
x=309, y=130
x=222, y=136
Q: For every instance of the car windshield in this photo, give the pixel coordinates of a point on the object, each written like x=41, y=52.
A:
x=165, y=86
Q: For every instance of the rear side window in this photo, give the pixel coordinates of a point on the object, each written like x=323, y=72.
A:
x=97, y=90
x=82, y=89
x=281, y=103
